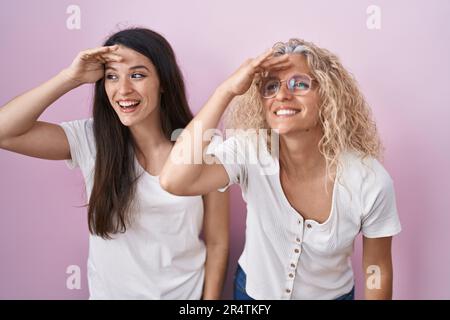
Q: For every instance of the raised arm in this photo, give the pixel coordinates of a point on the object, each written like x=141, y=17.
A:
x=195, y=176
x=19, y=129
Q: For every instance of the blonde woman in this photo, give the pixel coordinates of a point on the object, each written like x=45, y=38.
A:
x=307, y=202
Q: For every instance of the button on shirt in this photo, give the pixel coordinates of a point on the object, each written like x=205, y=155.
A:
x=287, y=257
x=160, y=256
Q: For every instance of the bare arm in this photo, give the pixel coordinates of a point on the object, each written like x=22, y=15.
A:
x=19, y=129
x=377, y=267
x=195, y=176
x=216, y=233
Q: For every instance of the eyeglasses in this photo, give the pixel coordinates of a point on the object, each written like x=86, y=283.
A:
x=298, y=85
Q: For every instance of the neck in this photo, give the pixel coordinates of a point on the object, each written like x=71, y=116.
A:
x=148, y=135
x=299, y=155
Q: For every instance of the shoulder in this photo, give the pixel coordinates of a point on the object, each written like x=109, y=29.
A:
x=85, y=126
x=366, y=173
x=79, y=130
x=80, y=135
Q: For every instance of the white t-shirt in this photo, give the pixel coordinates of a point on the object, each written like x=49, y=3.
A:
x=160, y=256
x=287, y=257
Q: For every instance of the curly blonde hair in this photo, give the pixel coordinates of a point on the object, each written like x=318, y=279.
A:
x=344, y=114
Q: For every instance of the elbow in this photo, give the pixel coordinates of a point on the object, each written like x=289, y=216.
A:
x=2, y=140
x=169, y=185
x=165, y=183
x=5, y=137
x=220, y=246
x=3, y=143
x=218, y=240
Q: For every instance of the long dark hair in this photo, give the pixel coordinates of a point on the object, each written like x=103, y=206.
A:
x=115, y=174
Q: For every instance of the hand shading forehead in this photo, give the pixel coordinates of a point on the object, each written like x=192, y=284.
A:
x=298, y=65
x=131, y=59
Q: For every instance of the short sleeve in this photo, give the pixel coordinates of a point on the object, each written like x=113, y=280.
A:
x=231, y=154
x=380, y=218
x=81, y=141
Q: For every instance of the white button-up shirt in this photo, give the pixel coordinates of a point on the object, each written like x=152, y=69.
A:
x=288, y=257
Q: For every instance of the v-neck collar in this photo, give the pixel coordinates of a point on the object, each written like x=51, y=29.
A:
x=292, y=210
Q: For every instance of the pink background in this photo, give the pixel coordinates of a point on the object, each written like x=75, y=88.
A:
x=403, y=69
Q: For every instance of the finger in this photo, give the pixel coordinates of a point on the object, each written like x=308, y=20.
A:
x=276, y=60
x=100, y=50
x=262, y=57
x=113, y=47
x=105, y=49
x=275, y=64
x=266, y=68
x=277, y=68
x=111, y=57
x=281, y=65
x=103, y=57
x=102, y=61
x=88, y=54
x=259, y=69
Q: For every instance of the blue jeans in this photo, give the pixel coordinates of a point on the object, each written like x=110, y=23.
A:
x=240, y=279
x=240, y=293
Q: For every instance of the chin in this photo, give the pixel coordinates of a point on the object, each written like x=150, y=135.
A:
x=289, y=130
x=127, y=122
x=281, y=129
x=284, y=131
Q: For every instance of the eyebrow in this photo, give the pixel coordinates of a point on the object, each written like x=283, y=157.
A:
x=131, y=68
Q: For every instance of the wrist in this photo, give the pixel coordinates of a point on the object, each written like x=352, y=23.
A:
x=69, y=79
x=225, y=92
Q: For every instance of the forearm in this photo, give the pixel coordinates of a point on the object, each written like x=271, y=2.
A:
x=185, y=162
x=378, y=279
x=378, y=270
x=215, y=271
x=20, y=114
x=383, y=292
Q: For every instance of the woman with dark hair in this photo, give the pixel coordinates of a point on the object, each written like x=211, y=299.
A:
x=144, y=242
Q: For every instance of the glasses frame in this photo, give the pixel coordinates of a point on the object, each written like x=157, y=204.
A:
x=263, y=81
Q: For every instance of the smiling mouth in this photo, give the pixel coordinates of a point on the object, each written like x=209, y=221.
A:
x=286, y=112
x=128, y=105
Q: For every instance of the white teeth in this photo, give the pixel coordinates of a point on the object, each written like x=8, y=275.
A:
x=127, y=104
x=286, y=112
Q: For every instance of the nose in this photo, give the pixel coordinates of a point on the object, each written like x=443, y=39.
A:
x=125, y=86
x=283, y=93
